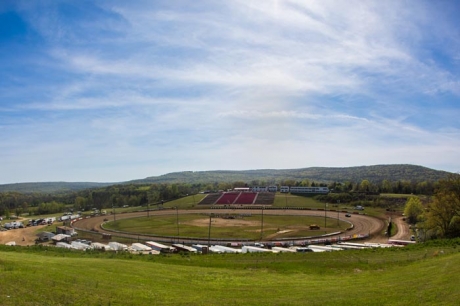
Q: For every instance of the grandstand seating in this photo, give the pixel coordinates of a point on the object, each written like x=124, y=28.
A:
x=229, y=198
x=265, y=198
x=210, y=199
x=246, y=198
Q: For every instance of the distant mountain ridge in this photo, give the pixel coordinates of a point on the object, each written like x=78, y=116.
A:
x=51, y=187
x=374, y=174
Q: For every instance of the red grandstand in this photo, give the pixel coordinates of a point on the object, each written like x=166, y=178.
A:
x=240, y=198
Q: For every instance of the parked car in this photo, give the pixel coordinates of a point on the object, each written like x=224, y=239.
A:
x=348, y=215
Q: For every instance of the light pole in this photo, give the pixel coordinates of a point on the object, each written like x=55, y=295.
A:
x=325, y=215
x=177, y=221
x=114, y=216
x=209, y=231
x=262, y=225
x=338, y=209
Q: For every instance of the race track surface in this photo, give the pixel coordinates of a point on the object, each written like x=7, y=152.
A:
x=362, y=224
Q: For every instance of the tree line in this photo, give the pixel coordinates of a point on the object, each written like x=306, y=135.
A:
x=140, y=194
x=441, y=217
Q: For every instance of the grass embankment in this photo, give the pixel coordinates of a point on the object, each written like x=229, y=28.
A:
x=421, y=274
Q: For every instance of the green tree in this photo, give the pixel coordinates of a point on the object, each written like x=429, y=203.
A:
x=413, y=209
x=364, y=186
x=444, y=211
x=79, y=203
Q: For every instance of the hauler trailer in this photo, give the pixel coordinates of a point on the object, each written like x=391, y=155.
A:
x=79, y=245
x=322, y=248
x=200, y=248
x=183, y=248
x=378, y=245
x=283, y=250
x=253, y=249
x=139, y=247
x=116, y=246
x=224, y=249
x=400, y=242
x=352, y=246
x=159, y=247
x=100, y=246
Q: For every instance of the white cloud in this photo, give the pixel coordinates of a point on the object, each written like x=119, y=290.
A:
x=234, y=85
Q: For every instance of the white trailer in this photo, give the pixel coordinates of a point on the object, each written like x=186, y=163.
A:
x=283, y=250
x=159, y=247
x=79, y=245
x=47, y=220
x=116, y=246
x=357, y=245
x=63, y=245
x=100, y=246
x=139, y=247
x=68, y=217
x=224, y=249
x=304, y=250
x=253, y=249
x=378, y=245
x=183, y=248
x=324, y=248
x=14, y=224
x=200, y=248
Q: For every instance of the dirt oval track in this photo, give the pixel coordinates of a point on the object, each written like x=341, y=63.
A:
x=361, y=224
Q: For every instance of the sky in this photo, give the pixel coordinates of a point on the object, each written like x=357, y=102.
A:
x=110, y=91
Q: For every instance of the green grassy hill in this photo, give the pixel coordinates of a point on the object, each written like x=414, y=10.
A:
x=419, y=274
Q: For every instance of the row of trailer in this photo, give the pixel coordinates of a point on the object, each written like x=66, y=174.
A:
x=152, y=247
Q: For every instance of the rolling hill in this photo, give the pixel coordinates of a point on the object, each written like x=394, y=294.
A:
x=374, y=174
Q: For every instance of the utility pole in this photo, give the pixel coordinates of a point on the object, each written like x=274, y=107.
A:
x=209, y=232
x=177, y=221
x=338, y=209
x=325, y=214
x=262, y=225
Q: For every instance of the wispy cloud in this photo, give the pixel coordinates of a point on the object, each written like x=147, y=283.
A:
x=118, y=90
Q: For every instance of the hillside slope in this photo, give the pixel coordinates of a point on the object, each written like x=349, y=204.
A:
x=375, y=174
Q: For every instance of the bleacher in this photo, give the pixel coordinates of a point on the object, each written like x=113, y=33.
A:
x=210, y=199
x=246, y=198
x=240, y=198
x=228, y=198
x=265, y=198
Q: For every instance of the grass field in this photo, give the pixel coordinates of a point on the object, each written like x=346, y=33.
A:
x=248, y=227
x=420, y=274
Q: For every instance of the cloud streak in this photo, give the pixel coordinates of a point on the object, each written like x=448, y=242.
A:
x=117, y=91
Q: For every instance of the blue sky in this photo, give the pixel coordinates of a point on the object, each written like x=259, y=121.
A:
x=109, y=91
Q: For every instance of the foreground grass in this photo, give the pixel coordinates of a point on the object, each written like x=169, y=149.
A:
x=423, y=275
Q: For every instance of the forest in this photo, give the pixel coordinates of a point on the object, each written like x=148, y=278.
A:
x=16, y=203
